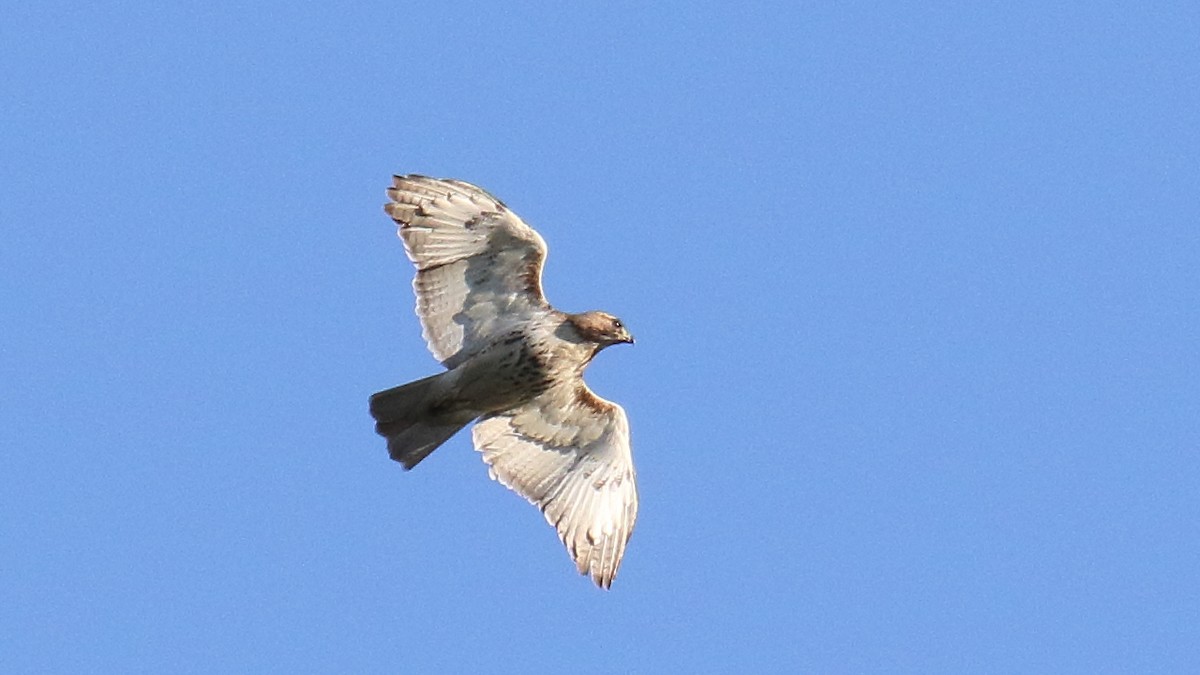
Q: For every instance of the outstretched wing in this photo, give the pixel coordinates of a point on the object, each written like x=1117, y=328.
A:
x=479, y=267
x=567, y=451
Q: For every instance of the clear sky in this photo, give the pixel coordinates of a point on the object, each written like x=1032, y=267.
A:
x=916, y=289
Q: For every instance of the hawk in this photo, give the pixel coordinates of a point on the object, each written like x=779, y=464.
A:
x=514, y=366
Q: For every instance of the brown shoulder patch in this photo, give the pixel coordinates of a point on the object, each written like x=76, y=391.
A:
x=531, y=273
x=585, y=398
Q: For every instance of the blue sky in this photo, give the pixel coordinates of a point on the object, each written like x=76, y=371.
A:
x=915, y=288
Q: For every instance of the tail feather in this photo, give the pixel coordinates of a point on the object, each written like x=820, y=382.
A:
x=414, y=421
x=415, y=443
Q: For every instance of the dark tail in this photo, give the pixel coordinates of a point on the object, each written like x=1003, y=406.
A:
x=409, y=418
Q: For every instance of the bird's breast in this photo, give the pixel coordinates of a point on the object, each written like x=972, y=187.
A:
x=511, y=371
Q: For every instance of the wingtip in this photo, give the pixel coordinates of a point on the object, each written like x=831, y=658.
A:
x=601, y=574
x=400, y=179
x=602, y=580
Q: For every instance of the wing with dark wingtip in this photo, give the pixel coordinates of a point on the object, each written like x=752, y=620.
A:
x=567, y=451
x=479, y=266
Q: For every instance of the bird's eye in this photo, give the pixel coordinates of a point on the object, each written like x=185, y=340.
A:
x=617, y=324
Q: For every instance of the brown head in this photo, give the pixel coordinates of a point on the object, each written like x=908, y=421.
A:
x=600, y=327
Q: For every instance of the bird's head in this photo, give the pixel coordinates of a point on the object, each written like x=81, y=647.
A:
x=600, y=327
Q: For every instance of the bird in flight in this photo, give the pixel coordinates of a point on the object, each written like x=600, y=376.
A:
x=514, y=366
